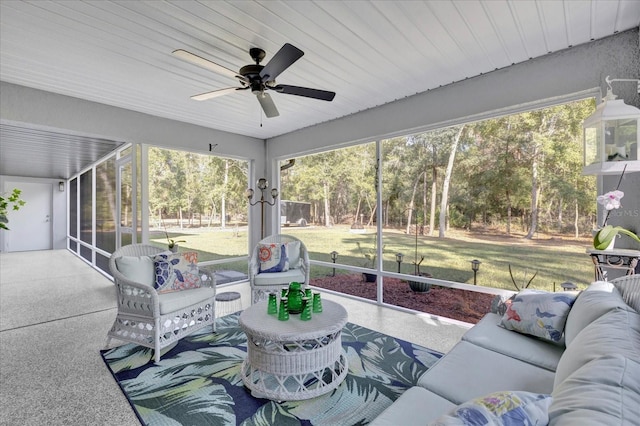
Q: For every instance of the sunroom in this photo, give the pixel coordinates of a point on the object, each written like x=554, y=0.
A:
x=99, y=132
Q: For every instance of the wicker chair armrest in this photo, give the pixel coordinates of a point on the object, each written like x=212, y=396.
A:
x=131, y=294
x=210, y=281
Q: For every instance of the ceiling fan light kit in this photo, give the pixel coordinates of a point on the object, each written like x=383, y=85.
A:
x=258, y=78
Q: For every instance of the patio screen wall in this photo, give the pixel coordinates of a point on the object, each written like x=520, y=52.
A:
x=489, y=193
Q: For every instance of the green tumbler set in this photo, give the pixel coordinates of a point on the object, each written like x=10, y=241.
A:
x=293, y=301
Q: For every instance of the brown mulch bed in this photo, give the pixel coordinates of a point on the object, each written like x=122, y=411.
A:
x=461, y=305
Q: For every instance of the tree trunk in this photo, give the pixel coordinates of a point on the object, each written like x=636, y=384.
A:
x=412, y=202
x=327, y=212
x=508, y=212
x=508, y=193
x=575, y=220
x=424, y=200
x=445, y=185
x=432, y=216
x=534, y=194
x=560, y=215
x=358, y=208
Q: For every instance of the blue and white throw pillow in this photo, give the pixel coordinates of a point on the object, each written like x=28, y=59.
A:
x=538, y=313
x=508, y=408
x=273, y=258
x=176, y=271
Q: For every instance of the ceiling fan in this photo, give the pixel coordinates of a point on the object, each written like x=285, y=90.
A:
x=258, y=78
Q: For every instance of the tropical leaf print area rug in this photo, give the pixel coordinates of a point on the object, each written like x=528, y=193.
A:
x=198, y=381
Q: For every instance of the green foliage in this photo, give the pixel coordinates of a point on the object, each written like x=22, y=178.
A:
x=12, y=201
x=185, y=185
x=604, y=236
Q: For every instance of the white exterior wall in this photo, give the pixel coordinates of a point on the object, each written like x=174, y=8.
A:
x=58, y=209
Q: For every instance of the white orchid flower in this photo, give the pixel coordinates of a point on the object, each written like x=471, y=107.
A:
x=611, y=200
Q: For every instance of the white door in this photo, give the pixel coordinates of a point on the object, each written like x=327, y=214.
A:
x=30, y=228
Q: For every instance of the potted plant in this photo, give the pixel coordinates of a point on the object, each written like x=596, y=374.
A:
x=171, y=243
x=604, y=238
x=417, y=286
x=370, y=254
x=12, y=200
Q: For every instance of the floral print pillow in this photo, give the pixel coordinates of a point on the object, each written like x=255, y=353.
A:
x=538, y=313
x=508, y=408
x=176, y=271
x=273, y=257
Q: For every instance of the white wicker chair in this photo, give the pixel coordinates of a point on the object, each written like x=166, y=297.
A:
x=629, y=288
x=155, y=320
x=263, y=283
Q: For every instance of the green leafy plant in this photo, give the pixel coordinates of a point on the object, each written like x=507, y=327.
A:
x=604, y=236
x=171, y=242
x=12, y=201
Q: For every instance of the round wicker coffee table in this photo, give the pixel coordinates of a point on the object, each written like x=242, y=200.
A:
x=293, y=360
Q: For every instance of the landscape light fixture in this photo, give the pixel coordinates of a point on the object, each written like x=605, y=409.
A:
x=399, y=257
x=475, y=266
x=262, y=184
x=612, y=134
x=334, y=256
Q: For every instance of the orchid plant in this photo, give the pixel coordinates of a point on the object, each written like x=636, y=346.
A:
x=604, y=237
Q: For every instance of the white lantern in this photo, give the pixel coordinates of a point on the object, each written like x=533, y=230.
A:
x=611, y=136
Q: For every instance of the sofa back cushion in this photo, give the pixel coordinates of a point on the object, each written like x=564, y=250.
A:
x=598, y=299
x=616, y=332
x=605, y=391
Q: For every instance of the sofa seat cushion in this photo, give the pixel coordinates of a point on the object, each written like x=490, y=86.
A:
x=598, y=299
x=279, y=278
x=469, y=371
x=605, y=391
x=415, y=407
x=490, y=335
x=616, y=332
x=171, y=302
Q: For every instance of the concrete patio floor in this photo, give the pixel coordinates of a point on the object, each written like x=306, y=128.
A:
x=55, y=311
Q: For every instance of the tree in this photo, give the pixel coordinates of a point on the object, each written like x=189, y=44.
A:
x=447, y=180
x=12, y=201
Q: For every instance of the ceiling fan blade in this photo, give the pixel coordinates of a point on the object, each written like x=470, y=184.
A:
x=282, y=60
x=205, y=63
x=267, y=104
x=304, y=91
x=215, y=93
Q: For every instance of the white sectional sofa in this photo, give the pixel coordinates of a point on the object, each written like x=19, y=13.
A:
x=592, y=375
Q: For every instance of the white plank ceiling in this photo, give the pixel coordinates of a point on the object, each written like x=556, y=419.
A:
x=368, y=52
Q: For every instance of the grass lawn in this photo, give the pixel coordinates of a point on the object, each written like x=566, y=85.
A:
x=554, y=258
